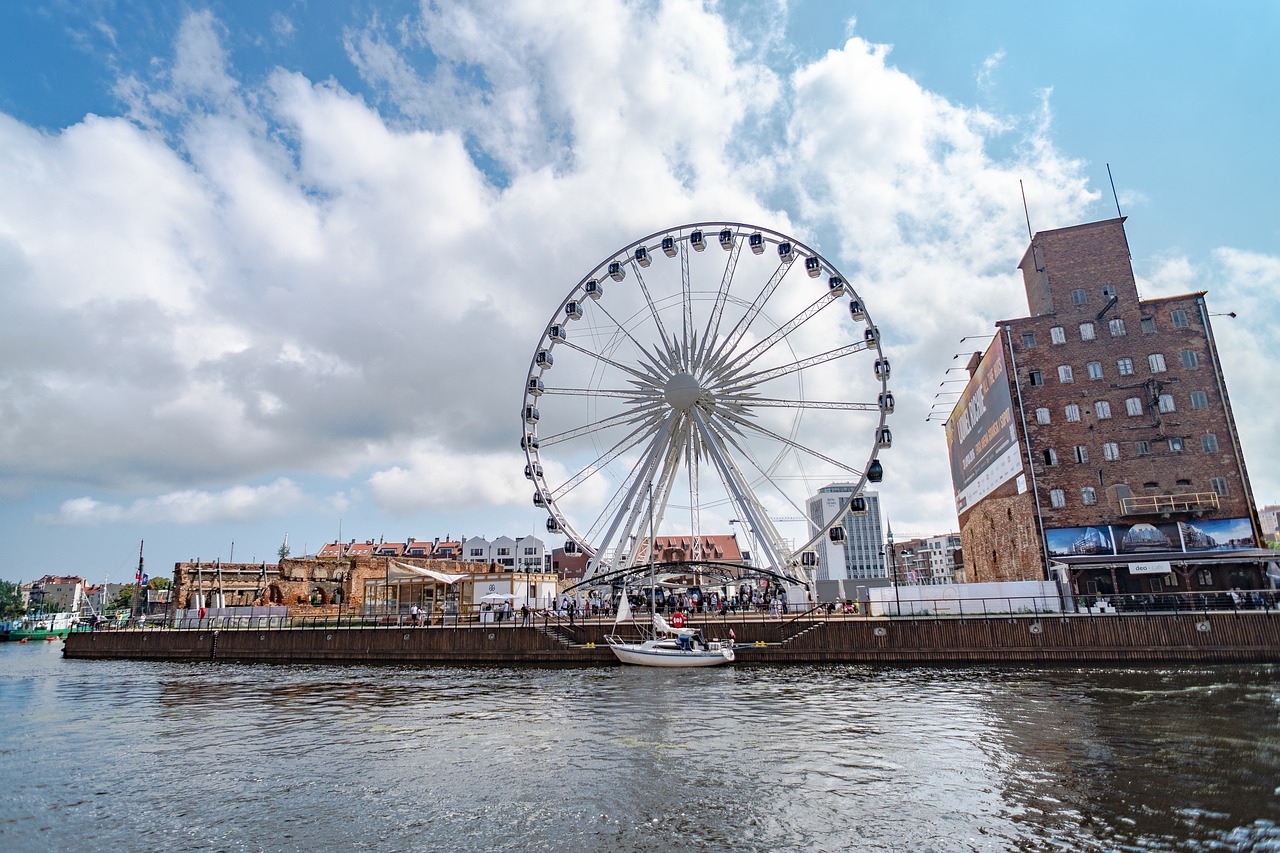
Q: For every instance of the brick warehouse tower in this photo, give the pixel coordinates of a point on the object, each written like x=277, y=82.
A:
x=1095, y=440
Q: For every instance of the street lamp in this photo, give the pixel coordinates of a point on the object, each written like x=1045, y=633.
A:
x=893, y=574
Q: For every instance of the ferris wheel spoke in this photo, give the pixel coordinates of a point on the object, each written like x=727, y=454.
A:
x=664, y=484
x=747, y=401
x=628, y=510
x=746, y=425
x=731, y=341
x=628, y=442
x=644, y=377
x=722, y=297
x=784, y=330
x=637, y=395
x=686, y=300
x=630, y=416
x=749, y=380
x=740, y=493
x=653, y=309
x=730, y=438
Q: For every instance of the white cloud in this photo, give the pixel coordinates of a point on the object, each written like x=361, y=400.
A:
x=237, y=504
x=244, y=278
x=436, y=478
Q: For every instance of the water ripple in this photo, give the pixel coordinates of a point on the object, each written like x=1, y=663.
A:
x=227, y=757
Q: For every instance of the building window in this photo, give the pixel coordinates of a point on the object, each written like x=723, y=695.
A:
x=1175, y=445
x=1073, y=412
x=1088, y=496
x=1087, y=332
x=1102, y=409
x=1082, y=454
x=1108, y=291
x=1125, y=366
x=1042, y=416
x=1209, y=443
x=1095, y=369
x=1064, y=373
x=1199, y=400
x=477, y=552
x=1190, y=359
x=1179, y=318
x=1148, y=325
x=1035, y=378
x=1219, y=485
x=1111, y=451
x=1058, y=335
x=1117, y=328
x=1028, y=340
x=1156, y=362
x=1133, y=406
x=1057, y=498
x=1078, y=296
x=1204, y=577
x=1143, y=448
x=504, y=552
x=530, y=552
x=1166, y=403
x=1050, y=457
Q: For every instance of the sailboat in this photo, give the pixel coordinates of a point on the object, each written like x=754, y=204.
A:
x=666, y=645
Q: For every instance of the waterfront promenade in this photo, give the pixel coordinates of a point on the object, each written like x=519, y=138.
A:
x=816, y=636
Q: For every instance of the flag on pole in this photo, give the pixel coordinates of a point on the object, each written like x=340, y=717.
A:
x=142, y=577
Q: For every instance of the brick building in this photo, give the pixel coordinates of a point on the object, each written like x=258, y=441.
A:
x=1095, y=438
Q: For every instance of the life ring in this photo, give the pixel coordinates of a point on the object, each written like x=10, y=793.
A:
x=677, y=620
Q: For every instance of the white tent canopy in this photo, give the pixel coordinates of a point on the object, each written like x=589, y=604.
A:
x=400, y=571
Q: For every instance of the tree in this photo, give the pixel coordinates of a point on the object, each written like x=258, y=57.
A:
x=159, y=583
x=123, y=599
x=10, y=600
x=284, y=549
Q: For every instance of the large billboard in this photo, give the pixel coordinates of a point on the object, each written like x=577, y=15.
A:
x=981, y=436
x=1161, y=537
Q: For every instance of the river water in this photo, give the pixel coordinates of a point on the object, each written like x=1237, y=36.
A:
x=124, y=756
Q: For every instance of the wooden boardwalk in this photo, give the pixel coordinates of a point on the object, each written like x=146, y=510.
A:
x=1247, y=636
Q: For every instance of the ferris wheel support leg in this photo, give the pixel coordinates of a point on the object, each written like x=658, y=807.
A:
x=741, y=496
x=643, y=475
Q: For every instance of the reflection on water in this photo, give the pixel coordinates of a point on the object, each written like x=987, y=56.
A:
x=144, y=756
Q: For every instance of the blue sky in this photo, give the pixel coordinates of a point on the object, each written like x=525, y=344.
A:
x=232, y=235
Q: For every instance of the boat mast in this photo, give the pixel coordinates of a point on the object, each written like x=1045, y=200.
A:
x=653, y=585
x=137, y=583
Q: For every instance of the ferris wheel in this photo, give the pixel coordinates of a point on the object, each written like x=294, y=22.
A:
x=705, y=376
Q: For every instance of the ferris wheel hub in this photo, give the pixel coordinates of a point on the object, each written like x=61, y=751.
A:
x=682, y=391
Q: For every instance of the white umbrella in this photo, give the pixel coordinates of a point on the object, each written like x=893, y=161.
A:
x=494, y=597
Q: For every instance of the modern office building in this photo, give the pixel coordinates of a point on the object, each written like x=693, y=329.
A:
x=858, y=552
x=1095, y=439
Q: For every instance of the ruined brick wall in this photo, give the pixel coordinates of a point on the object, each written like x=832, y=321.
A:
x=307, y=586
x=999, y=539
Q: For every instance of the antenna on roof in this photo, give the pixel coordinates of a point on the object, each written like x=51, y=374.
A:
x=1113, y=191
x=1025, y=213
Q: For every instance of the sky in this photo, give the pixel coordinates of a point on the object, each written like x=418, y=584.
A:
x=277, y=269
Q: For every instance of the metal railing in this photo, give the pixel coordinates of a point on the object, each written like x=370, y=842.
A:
x=719, y=621
x=1156, y=504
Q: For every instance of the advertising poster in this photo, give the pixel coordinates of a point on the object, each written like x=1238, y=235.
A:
x=1226, y=534
x=1079, y=542
x=981, y=437
x=1146, y=538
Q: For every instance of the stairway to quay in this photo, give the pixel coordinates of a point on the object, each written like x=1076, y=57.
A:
x=815, y=637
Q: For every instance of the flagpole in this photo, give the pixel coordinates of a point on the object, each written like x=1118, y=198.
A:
x=137, y=585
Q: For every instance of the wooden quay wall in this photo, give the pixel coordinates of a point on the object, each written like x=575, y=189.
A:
x=1213, y=637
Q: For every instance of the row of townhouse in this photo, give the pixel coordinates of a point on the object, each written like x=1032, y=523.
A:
x=523, y=554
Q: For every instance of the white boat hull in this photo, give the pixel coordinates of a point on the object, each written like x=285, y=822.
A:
x=651, y=653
